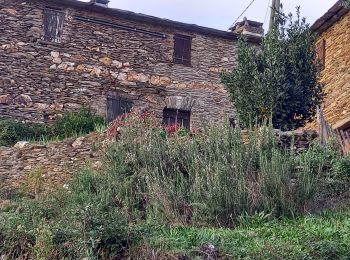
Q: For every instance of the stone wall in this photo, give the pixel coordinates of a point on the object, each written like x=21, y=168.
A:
x=336, y=74
x=58, y=160
x=39, y=80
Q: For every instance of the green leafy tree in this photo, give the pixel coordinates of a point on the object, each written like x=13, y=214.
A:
x=346, y=3
x=279, y=79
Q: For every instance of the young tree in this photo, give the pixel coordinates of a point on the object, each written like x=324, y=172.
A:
x=279, y=79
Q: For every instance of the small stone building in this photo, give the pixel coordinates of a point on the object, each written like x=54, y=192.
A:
x=61, y=55
x=333, y=50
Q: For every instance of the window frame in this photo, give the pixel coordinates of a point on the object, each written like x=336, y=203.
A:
x=110, y=114
x=176, y=114
x=47, y=34
x=183, y=56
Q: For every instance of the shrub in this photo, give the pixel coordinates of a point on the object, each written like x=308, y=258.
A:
x=212, y=177
x=12, y=131
x=76, y=123
x=341, y=167
x=71, y=124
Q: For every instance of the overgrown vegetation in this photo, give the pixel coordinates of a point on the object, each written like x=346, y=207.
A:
x=174, y=193
x=279, y=78
x=71, y=124
x=209, y=178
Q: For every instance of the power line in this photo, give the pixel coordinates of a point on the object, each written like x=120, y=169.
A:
x=243, y=13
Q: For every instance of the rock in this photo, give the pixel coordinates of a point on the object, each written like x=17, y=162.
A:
x=9, y=11
x=165, y=81
x=5, y=99
x=23, y=100
x=21, y=145
x=41, y=106
x=106, y=61
x=55, y=54
x=122, y=76
x=72, y=106
x=57, y=60
x=209, y=252
x=155, y=80
x=117, y=64
x=78, y=142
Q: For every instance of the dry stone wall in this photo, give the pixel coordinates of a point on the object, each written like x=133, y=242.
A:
x=39, y=80
x=58, y=161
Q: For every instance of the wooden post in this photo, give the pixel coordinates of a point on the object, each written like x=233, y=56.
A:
x=275, y=9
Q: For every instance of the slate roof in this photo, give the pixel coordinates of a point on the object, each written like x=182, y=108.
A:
x=88, y=6
x=333, y=15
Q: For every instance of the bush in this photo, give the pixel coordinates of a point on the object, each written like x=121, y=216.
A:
x=210, y=178
x=12, y=131
x=70, y=125
x=341, y=167
x=76, y=123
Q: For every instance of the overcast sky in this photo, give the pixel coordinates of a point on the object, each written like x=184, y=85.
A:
x=219, y=14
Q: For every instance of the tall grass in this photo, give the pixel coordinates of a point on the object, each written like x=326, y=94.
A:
x=207, y=178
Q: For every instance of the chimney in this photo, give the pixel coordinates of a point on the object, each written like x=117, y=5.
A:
x=248, y=27
x=103, y=3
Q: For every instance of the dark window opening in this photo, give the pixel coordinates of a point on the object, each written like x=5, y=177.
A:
x=53, y=25
x=321, y=54
x=176, y=117
x=182, y=49
x=117, y=107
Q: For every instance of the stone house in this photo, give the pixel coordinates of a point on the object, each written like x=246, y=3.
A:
x=61, y=55
x=333, y=51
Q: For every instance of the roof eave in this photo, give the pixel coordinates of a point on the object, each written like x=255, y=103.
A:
x=334, y=14
x=155, y=20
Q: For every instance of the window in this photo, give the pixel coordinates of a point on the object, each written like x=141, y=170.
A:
x=53, y=25
x=116, y=107
x=321, y=54
x=176, y=117
x=182, y=49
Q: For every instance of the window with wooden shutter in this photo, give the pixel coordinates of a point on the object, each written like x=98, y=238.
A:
x=321, y=54
x=53, y=25
x=117, y=107
x=176, y=117
x=182, y=49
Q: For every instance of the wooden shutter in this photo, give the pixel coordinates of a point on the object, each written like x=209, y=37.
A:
x=53, y=25
x=182, y=49
x=117, y=107
x=174, y=116
x=321, y=54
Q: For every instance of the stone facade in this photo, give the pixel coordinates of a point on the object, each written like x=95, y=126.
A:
x=336, y=73
x=40, y=79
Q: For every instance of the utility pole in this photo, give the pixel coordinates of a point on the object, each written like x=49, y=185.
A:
x=275, y=9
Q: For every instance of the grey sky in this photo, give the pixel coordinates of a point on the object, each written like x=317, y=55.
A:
x=219, y=14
